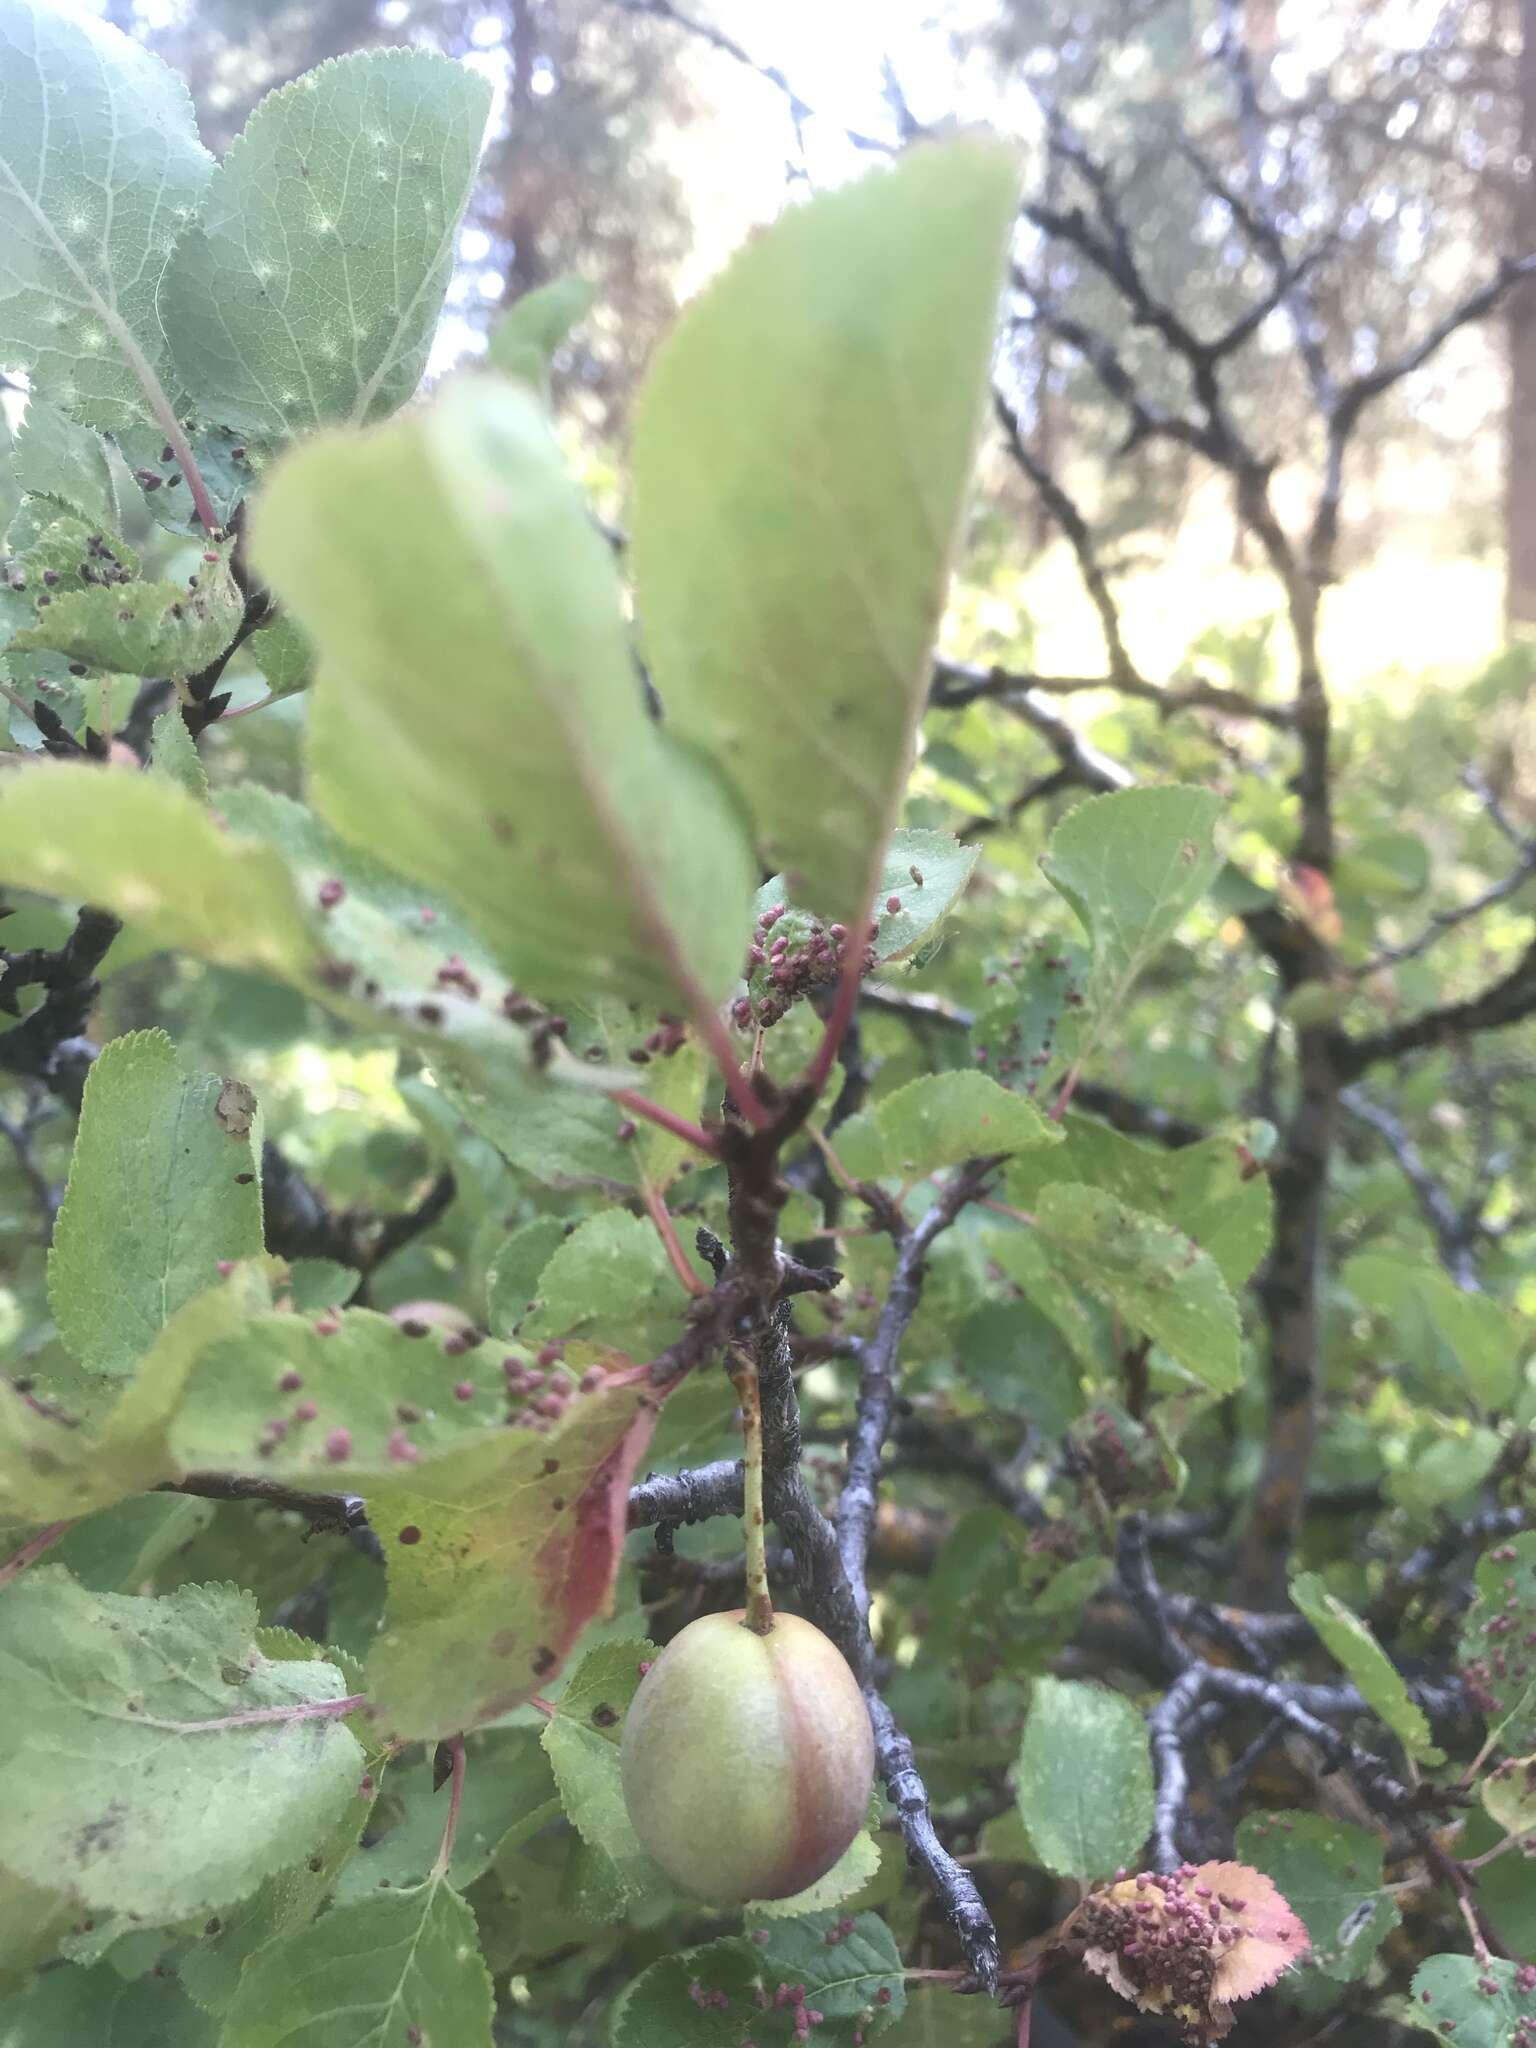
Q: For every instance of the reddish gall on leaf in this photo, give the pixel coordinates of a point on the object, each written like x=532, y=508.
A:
x=747, y=1759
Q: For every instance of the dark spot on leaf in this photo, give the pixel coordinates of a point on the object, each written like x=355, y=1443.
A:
x=543, y=1661
x=603, y=1716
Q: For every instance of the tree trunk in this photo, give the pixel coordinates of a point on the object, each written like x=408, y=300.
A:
x=1520, y=329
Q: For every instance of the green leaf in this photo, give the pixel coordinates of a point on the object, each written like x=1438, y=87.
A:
x=581, y=1740
x=1504, y=1612
x=513, y=1281
x=1442, y=1461
x=100, y=172
x=670, y=2002
x=857, y=1972
x=1207, y=1190
x=1026, y=1028
x=852, y=1871
x=1330, y=1873
x=561, y=1137
x=228, y=469
x=309, y=290
x=57, y=1465
x=802, y=453
x=1449, y=2000
x=56, y=458
x=173, y=754
x=129, y=1778
x=1084, y=1779
x=1509, y=1794
x=211, y=1968
x=1154, y=1276
x=164, y=1182
x=528, y=336
x=517, y=1539
x=102, y=2008
x=121, y=1548
x=536, y=794
x=272, y=1398
x=508, y=1793
x=610, y=1282
x=1351, y=1643
x=144, y=849
x=315, y=1284
x=938, y=1121
x=710, y=1997
x=1031, y=1263
x=1132, y=865
x=32, y=1923
x=145, y=628
x=251, y=897
x=284, y=656
x=394, y=1967
x=1014, y=1355
x=925, y=874
x=1473, y=1339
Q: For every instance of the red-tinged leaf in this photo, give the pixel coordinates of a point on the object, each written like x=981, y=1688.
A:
x=500, y=1552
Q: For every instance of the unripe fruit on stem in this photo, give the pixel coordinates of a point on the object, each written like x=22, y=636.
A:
x=747, y=1759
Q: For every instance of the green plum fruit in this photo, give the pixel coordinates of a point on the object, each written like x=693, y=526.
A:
x=747, y=1759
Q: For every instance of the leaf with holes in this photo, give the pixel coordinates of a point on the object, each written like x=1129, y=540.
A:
x=100, y=172
x=1083, y=1779
x=1154, y=1276
x=161, y=1188
x=156, y=1761
x=536, y=794
x=1208, y=1190
x=309, y=290
x=1382, y=1685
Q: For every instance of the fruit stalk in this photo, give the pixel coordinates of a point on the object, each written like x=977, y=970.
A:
x=759, y=1601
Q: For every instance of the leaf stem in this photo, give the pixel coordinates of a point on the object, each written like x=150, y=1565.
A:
x=759, y=1617
x=32, y=1550
x=455, y=1747
x=653, y=1113
x=666, y=1230
x=175, y=435
x=258, y=1717
x=711, y=1027
x=1068, y=1090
